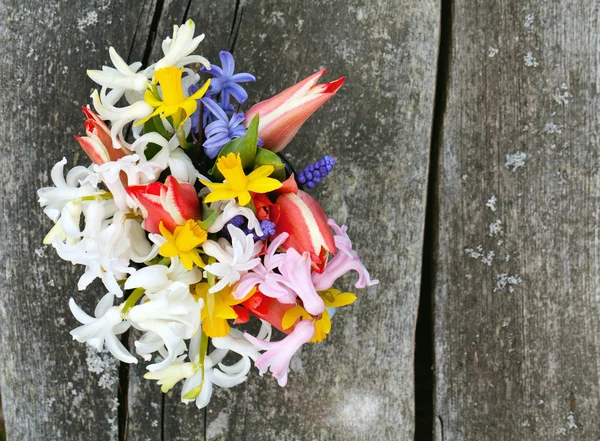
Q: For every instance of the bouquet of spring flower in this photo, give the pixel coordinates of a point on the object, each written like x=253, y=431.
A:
x=194, y=224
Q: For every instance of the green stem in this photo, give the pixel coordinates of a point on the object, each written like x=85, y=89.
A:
x=97, y=197
x=203, y=351
x=132, y=299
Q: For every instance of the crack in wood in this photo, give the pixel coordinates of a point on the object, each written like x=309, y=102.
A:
x=153, y=30
x=135, y=32
x=123, y=391
x=424, y=335
x=186, y=12
x=235, y=25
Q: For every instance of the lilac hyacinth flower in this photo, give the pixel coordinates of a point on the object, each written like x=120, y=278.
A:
x=222, y=129
x=279, y=353
x=225, y=81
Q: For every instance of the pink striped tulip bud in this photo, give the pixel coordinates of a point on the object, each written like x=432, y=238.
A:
x=97, y=143
x=172, y=204
x=282, y=115
x=306, y=223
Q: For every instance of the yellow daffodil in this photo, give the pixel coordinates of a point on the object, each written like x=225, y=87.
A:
x=217, y=309
x=183, y=242
x=237, y=184
x=332, y=298
x=174, y=103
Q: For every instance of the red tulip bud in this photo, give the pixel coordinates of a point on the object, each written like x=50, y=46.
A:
x=304, y=220
x=282, y=115
x=173, y=203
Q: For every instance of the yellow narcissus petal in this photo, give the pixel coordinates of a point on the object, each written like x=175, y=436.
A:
x=190, y=236
x=264, y=185
x=220, y=328
x=322, y=327
x=237, y=184
x=261, y=172
x=292, y=315
x=167, y=249
x=151, y=99
x=174, y=102
x=183, y=243
x=231, y=168
x=334, y=298
x=217, y=310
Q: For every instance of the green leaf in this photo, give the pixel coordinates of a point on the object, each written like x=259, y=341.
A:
x=208, y=217
x=246, y=146
x=267, y=157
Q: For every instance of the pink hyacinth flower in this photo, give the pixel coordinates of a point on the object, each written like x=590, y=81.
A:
x=345, y=260
x=280, y=353
x=282, y=115
x=296, y=272
x=269, y=283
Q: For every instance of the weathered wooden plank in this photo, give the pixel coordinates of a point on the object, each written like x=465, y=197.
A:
x=517, y=297
x=49, y=391
x=153, y=416
x=394, y=55
x=359, y=383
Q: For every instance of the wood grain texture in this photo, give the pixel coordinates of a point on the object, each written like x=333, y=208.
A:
x=49, y=391
x=518, y=331
x=153, y=416
x=361, y=379
x=359, y=383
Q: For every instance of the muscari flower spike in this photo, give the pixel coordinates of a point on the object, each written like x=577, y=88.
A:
x=315, y=172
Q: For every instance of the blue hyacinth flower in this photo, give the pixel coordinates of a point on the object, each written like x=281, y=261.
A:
x=225, y=81
x=222, y=129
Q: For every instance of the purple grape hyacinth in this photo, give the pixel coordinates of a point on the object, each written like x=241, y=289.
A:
x=239, y=221
x=314, y=173
x=225, y=81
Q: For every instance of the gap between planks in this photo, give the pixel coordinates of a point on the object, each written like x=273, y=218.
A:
x=424, y=334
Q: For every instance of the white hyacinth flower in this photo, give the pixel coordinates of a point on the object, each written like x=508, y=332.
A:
x=171, y=375
x=155, y=278
x=107, y=244
x=199, y=387
x=102, y=329
x=177, y=49
x=230, y=209
x=233, y=259
x=54, y=199
x=119, y=117
x=123, y=79
x=137, y=172
x=170, y=156
x=173, y=315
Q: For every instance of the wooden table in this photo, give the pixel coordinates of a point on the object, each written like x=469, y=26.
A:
x=467, y=138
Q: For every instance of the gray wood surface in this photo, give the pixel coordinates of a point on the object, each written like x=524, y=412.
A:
x=358, y=384
x=362, y=377
x=48, y=388
x=517, y=331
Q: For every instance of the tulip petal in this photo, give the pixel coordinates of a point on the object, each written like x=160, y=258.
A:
x=303, y=218
x=182, y=201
